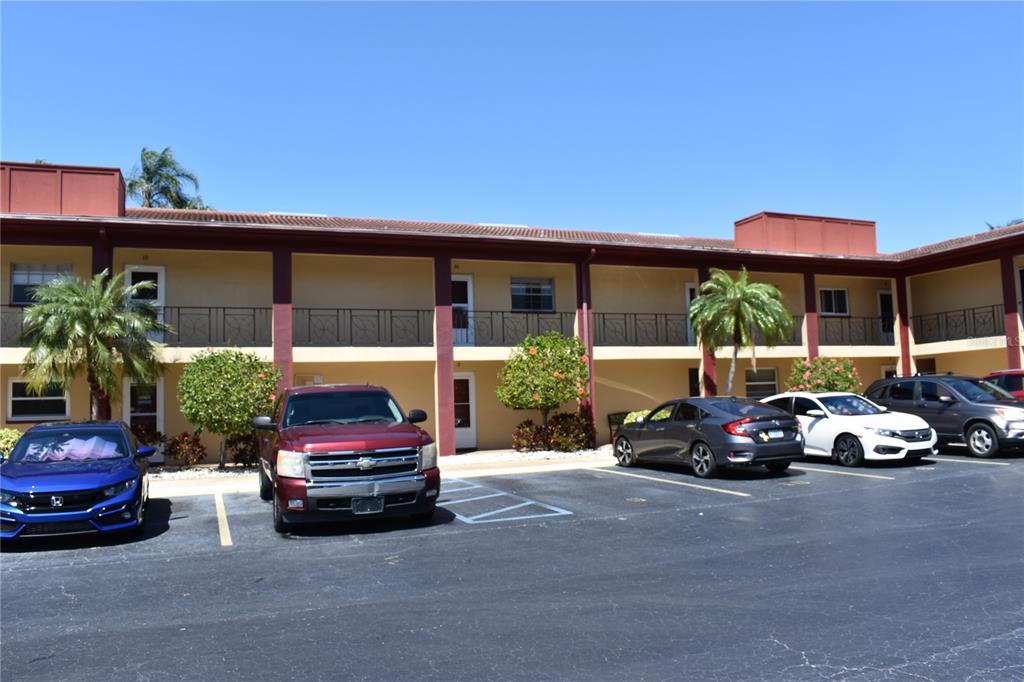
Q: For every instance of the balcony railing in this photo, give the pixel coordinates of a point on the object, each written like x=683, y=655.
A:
x=192, y=326
x=642, y=329
x=504, y=328
x=362, y=327
x=952, y=325
x=856, y=331
x=795, y=338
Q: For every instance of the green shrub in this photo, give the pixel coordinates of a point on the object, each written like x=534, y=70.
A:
x=824, y=374
x=528, y=437
x=8, y=439
x=569, y=432
x=544, y=373
x=636, y=416
x=244, y=448
x=186, y=450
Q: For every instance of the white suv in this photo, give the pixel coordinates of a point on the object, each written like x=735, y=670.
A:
x=850, y=428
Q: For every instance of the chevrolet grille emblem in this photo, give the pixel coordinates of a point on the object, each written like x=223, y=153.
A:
x=365, y=463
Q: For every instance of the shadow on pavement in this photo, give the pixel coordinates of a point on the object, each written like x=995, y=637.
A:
x=158, y=514
x=367, y=527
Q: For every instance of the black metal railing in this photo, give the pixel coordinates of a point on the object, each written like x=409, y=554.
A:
x=504, y=328
x=856, y=331
x=362, y=327
x=216, y=326
x=12, y=320
x=950, y=325
x=642, y=329
x=795, y=337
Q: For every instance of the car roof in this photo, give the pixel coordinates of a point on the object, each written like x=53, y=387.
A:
x=927, y=377
x=334, y=388
x=1005, y=371
x=810, y=394
x=90, y=424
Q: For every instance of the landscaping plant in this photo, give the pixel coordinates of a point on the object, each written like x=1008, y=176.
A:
x=544, y=373
x=528, y=437
x=571, y=432
x=8, y=439
x=824, y=374
x=220, y=391
x=186, y=450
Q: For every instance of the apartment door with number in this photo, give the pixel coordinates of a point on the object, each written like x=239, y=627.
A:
x=136, y=274
x=886, y=318
x=465, y=411
x=462, y=310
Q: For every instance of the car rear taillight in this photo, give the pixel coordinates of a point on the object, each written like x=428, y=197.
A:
x=738, y=427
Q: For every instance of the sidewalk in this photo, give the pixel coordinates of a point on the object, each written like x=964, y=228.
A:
x=471, y=465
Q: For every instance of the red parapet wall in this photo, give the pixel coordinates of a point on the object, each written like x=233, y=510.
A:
x=806, y=234
x=61, y=190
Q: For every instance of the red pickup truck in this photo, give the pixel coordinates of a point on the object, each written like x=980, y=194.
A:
x=345, y=451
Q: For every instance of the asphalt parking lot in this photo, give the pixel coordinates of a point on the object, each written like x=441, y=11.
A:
x=888, y=572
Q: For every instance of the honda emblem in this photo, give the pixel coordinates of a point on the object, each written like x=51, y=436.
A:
x=56, y=501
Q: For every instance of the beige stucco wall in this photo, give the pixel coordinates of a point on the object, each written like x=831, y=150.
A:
x=861, y=292
x=78, y=257
x=324, y=281
x=207, y=278
x=492, y=282
x=619, y=289
x=627, y=385
x=974, y=363
x=971, y=286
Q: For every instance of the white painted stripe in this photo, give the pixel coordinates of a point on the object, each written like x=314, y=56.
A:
x=843, y=473
x=222, y=521
x=665, y=480
x=498, y=511
x=524, y=518
x=458, y=490
x=472, y=499
x=938, y=458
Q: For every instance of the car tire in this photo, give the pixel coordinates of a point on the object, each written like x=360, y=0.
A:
x=702, y=459
x=848, y=451
x=266, y=487
x=777, y=467
x=625, y=455
x=280, y=525
x=982, y=441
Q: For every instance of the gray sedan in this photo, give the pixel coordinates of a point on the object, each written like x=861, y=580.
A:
x=710, y=434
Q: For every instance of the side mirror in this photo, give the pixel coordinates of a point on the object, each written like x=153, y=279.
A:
x=883, y=408
x=144, y=452
x=817, y=414
x=947, y=399
x=264, y=424
x=417, y=416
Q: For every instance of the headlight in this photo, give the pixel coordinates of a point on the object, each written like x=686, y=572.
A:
x=118, y=488
x=885, y=433
x=291, y=464
x=8, y=498
x=1010, y=414
x=428, y=456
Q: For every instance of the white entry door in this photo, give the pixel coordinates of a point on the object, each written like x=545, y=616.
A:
x=144, y=408
x=692, y=291
x=465, y=411
x=462, y=310
x=135, y=274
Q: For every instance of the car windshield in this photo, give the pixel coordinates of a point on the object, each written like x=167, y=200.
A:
x=849, y=405
x=979, y=390
x=71, y=445
x=342, y=407
x=747, y=408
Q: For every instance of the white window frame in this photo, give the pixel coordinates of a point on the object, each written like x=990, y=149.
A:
x=34, y=417
x=465, y=437
x=846, y=297
x=69, y=271
x=546, y=280
x=774, y=382
x=126, y=407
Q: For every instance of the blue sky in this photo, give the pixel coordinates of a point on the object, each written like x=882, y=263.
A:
x=675, y=118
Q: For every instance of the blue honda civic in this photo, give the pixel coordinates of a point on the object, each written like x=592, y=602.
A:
x=62, y=479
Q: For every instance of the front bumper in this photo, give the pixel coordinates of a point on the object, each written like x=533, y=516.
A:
x=116, y=514
x=326, y=502
x=882, y=448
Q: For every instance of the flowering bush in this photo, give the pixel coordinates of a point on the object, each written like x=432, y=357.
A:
x=528, y=437
x=824, y=374
x=544, y=373
x=186, y=450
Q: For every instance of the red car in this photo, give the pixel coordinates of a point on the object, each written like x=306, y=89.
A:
x=343, y=451
x=1011, y=380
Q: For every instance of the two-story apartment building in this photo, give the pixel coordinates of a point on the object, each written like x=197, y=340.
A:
x=431, y=310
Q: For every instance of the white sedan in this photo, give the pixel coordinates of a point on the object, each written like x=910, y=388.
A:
x=850, y=428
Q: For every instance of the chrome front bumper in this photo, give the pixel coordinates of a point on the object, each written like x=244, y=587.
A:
x=367, y=488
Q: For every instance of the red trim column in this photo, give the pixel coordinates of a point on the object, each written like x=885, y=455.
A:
x=1011, y=315
x=708, y=366
x=102, y=254
x=282, y=315
x=585, y=331
x=906, y=367
x=444, y=380
x=811, y=314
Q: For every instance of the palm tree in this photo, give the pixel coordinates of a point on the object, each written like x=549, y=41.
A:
x=95, y=326
x=159, y=182
x=731, y=311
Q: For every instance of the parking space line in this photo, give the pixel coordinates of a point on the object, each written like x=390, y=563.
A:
x=939, y=458
x=670, y=482
x=843, y=473
x=459, y=490
x=503, y=509
x=474, y=499
x=520, y=503
x=222, y=521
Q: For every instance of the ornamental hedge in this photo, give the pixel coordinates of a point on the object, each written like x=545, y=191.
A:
x=544, y=373
x=824, y=374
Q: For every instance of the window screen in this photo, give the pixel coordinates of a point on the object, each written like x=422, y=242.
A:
x=833, y=302
x=533, y=295
x=25, y=278
x=762, y=383
x=51, y=404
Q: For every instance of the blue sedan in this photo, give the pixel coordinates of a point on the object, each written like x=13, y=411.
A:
x=62, y=479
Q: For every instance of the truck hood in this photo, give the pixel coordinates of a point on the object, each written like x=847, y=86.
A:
x=331, y=437
x=47, y=477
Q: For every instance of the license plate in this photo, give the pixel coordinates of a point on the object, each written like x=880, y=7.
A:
x=776, y=433
x=367, y=505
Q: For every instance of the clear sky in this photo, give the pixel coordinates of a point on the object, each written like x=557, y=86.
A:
x=676, y=118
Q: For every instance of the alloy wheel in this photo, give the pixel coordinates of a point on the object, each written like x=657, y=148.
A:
x=624, y=453
x=702, y=460
x=980, y=441
x=848, y=451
